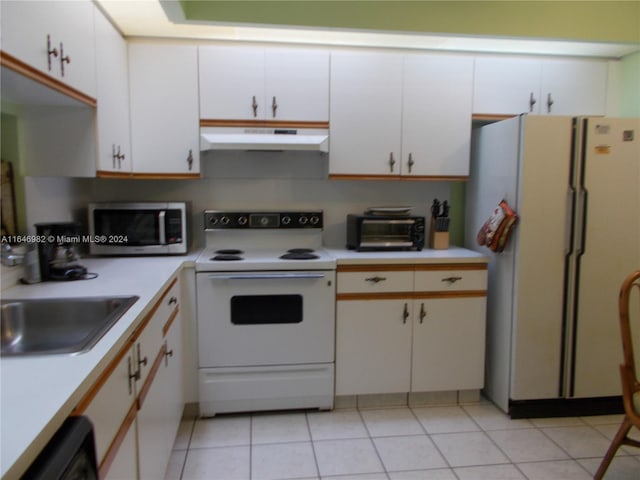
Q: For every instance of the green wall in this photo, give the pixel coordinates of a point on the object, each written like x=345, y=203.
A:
x=630, y=86
x=612, y=21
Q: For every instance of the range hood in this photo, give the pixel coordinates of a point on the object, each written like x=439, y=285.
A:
x=264, y=139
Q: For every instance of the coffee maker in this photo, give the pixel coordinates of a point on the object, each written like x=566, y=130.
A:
x=57, y=251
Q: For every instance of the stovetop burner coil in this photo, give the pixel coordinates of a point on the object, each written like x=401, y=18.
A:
x=299, y=256
x=226, y=257
x=229, y=251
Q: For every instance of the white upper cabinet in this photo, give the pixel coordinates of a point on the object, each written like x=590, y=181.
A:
x=114, y=150
x=366, y=113
x=394, y=114
x=436, y=115
x=163, y=92
x=515, y=85
x=243, y=83
x=574, y=87
x=55, y=38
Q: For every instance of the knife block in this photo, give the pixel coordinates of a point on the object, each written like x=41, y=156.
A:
x=437, y=240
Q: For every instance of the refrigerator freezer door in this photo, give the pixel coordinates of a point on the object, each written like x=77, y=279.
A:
x=610, y=240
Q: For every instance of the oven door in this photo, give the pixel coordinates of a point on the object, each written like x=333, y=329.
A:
x=265, y=318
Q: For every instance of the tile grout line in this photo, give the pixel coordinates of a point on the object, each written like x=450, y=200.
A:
x=424, y=429
x=370, y=438
x=313, y=446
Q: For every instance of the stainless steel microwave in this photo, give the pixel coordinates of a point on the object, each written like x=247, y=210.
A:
x=145, y=228
x=385, y=232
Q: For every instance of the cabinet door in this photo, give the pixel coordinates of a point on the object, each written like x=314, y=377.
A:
x=111, y=405
x=125, y=463
x=163, y=88
x=436, y=115
x=69, y=26
x=448, y=344
x=365, y=113
x=297, y=82
x=373, y=346
x=506, y=85
x=173, y=366
x=574, y=87
x=230, y=79
x=114, y=151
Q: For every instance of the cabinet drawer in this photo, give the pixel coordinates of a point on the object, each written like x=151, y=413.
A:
x=375, y=281
x=450, y=280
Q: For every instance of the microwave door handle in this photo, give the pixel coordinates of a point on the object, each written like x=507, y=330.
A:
x=161, y=230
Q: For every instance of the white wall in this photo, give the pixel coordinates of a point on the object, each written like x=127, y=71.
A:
x=239, y=180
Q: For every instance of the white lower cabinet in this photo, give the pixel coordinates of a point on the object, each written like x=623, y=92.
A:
x=424, y=335
x=136, y=404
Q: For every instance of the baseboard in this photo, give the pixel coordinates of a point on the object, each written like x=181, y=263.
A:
x=565, y=407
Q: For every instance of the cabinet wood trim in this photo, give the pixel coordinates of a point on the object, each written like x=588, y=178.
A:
x=375, y=268
x=206, y=122
x=116, y=443
x=491, y=117
x=102, y=379
x=450, y=266
x=409, y=295
x=18, y=66
x=147, y=176
x=433, y=178
x=167, y=325
x=142, y=395
x=411, y=267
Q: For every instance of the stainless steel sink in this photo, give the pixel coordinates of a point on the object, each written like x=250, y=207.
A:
x=58, y=325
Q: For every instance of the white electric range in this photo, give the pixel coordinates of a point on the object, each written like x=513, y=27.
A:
x=266, y=312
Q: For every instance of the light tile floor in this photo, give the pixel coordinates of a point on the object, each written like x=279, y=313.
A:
x=468, y=442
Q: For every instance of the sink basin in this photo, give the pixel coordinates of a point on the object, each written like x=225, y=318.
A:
x=58, y=325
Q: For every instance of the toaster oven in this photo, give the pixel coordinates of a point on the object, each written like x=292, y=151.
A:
x=385, y=232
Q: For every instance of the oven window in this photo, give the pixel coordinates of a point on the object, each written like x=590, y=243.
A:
x=266, y=309
x=386, y=231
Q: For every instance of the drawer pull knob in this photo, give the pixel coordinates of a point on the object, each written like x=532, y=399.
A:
x=451, y=280
x=375, y=279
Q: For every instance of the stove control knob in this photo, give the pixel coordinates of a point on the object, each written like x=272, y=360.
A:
x=286, y=220
x=224, y=220
x=213, y=220
x=303, y=220
x=314, y=220
x=242, y=220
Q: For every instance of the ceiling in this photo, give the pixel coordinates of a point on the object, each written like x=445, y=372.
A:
x=166, y=18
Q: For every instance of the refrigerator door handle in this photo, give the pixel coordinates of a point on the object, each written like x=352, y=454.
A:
x=583, y=197
x=569, y=214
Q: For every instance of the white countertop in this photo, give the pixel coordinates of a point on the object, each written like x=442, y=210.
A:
x=39, y=392
x=344, y=256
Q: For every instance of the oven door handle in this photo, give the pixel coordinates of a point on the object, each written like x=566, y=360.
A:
x=265, y=276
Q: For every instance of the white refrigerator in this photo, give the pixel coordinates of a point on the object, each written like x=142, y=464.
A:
x=553, y=340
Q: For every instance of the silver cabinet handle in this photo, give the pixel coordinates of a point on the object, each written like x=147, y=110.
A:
x=254, y=106
x=142, y=361
x=451, y=280
x=63, y=59
x=392, y=162
x=532, y=102
x=173, y=301
x=375, y=279
x=410, y=162
x=167, y=353
x=117, y=156
x=190, y=159
x=274, y=106
x=405, y=314
x=50, y=52
x=549, y=103
x=132, y=376
x=423, y=312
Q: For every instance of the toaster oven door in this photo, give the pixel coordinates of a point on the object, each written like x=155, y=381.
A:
x=386, y=233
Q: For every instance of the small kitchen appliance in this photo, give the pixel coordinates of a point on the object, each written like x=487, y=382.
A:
x=266, y=312
x=385, y=231
x=145, y=228
x=57, y=251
